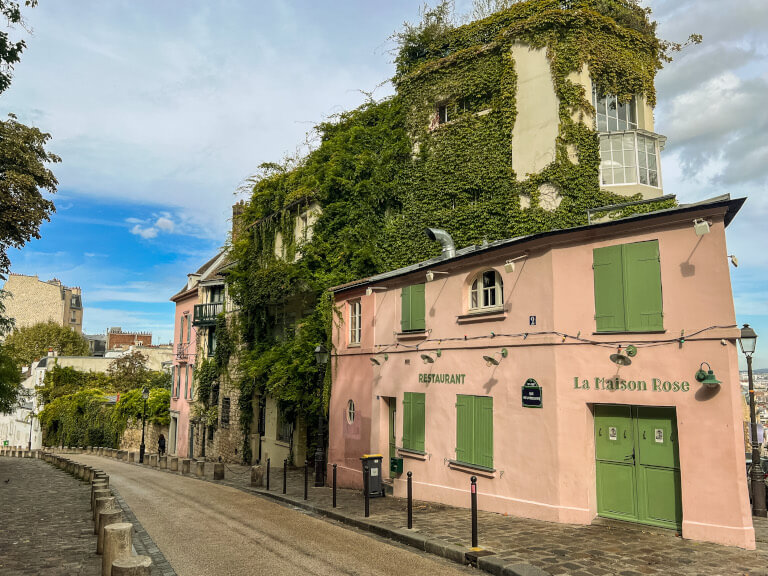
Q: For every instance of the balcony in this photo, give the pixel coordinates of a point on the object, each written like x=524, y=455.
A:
x=182, y=351
x=205, y=314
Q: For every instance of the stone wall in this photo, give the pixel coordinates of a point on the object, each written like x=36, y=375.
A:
x=131, y=439
x=32, y=301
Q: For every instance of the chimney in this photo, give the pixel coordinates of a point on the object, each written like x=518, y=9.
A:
x=237, y=212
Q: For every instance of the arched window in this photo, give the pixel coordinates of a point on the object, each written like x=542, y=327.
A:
x=350, y=412
x=486, y=291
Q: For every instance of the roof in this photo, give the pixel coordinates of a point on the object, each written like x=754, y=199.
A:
x=208, y=272
x=732, y=207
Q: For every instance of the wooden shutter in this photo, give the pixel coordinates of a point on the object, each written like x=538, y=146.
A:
x=464, y=427
x=405, y=308
x=189, y=329
x=483, y=415
x=418, y=308
x=642, y=287
x=407, y=417
x=609, y=291
x=418, y=421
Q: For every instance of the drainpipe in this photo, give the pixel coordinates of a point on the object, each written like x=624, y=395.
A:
x=449, y=250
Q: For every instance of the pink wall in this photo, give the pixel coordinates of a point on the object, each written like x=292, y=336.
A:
x=544, y=459
x=184, y=354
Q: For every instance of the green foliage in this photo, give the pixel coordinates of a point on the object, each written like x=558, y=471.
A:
x=10, y=51
x=63, y=381
x=30, y=343
x=384, y=171
x=10, y=382
x=131, y=407
x=129, y=371
x=80, y=419
x=207, y=376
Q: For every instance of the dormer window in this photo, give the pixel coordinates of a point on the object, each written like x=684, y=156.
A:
x=486, y=291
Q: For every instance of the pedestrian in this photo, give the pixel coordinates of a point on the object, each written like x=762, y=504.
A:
x=161, y=445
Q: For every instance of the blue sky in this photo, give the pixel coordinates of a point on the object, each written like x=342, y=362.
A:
x=160, y=110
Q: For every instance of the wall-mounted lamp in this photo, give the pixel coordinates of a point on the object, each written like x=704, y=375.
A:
x=375, y=361
x=701, y=226
x=624, y=359
x=734, y=260
x=431, y=274
x=707, y=378
x=427, y=359
x=492, y=361
x=509, y=265
x=371, y=289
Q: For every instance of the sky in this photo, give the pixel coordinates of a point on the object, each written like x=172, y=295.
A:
x=161, y=110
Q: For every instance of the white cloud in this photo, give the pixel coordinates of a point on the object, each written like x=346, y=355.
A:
x=165, y=224
x=145, y=233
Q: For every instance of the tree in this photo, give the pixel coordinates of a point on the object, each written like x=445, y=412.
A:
x=130, y=372
x=27, y=344
x=10, y=383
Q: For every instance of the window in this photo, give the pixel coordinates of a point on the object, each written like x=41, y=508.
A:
x=75, y=301
x=413, y=421
x=612, y=115
x=355, y=322
x=186, y=381
x=628, y=158
x=486, y=291
x=442, y=114
x=474, y=430
x=284, y=426
x=413, y=308
x=211, y=341
x=192, y=382
x=189, y=327
x=216, y=294
x=225, y=412
x=72, y=316
x=173, y=380
x=350, y=412
x=178, y=382
x=181, y=329
x=628, y=288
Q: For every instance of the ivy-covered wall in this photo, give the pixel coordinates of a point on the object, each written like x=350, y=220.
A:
x=383, y=172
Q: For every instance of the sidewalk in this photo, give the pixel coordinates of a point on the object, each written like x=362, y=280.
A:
x=45, y=521
x=521, y=547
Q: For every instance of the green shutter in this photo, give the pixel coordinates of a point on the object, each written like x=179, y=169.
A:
x=192, y=384
x=642, y=287
x=181, y=329
x=189, y=329
x=483, y=414
x=464, y=417
x=405, y=316
x=418, y=421
x=418, y=308
x=407, y=417
x=609, y=291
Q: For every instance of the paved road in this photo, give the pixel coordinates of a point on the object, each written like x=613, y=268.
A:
x=204, y=528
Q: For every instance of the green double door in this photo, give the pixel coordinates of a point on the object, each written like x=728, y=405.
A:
x=638, y=464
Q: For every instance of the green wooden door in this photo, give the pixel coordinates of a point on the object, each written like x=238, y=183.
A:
x=392, y=423
x=637, y=461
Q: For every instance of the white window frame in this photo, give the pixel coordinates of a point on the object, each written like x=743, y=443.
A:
x=629, y=158
x=483, y=298
x=355, y=322
x=350, y=412
x=609, y=107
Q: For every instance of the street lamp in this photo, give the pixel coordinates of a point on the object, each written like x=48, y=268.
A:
x=321, y=357
x=748, y=341
x=145, y=395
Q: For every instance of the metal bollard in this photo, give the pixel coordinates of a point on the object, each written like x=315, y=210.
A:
x=474, y=510
x=268, y=474
x=410, y=500
x=285, y=475
x=366, y=490
x=334, y=485
x=306, y=477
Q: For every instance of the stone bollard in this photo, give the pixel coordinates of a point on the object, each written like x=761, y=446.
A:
x=257, y=476
x=174, y=465
x=125, y=455
x=163, y=462
x=185, y=465
x=98, y=493
x=132, y=566
x=131, y=456
x=102, y=505
x=106, y=518
x=153, y=460
x=200, y=468
x=218, y=471
x=117, y=544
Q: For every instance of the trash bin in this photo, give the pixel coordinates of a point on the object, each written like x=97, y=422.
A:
x=374, y=481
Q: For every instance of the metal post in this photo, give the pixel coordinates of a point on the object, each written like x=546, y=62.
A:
x=319, y=454
x=758, y=482
x=366, y=490
x=474, y=510
x=285, y=475
x=268, y=473
x=410, y=500
x=143, y=425
x=31, y=419
x=306, y=477
x=334, y=485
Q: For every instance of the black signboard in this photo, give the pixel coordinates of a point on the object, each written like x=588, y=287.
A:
x=531, y=394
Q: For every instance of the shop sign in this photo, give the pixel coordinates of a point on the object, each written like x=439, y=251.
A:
x=654, y=385
x=531, y=394
x=441, y=378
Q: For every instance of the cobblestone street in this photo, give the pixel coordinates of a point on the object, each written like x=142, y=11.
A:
x=45, y=522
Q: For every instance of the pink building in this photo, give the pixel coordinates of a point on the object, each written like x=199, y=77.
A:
x=560, y=370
